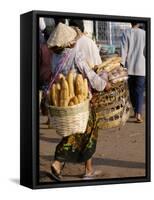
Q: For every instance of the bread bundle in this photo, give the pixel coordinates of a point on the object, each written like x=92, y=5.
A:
x=109, y=64
x=69, y=91
x=112, y=66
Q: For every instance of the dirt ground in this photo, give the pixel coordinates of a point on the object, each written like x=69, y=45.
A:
x=119, y=153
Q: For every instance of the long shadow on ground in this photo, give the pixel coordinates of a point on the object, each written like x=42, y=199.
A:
x=52, y=140
x=118, y=163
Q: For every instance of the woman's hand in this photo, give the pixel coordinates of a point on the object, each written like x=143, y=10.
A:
x=108, y=86
x=104, y=75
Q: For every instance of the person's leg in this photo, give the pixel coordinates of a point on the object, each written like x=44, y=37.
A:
x=140, y=81
x=58, y=159
x=88, y=167
x=131, y=85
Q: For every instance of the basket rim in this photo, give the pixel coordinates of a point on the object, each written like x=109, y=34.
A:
x=69, y=110
x=74, y=106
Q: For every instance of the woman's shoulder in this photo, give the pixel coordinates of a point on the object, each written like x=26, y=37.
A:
x=85, y=40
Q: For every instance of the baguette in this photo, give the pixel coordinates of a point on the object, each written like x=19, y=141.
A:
x=85, y=90
x=70, y=80
x=64, y=93
x=79, y=85
x=53, y=95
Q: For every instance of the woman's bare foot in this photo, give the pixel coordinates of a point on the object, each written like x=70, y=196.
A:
x=89, y=168
x=57, y=166
x=55, y=171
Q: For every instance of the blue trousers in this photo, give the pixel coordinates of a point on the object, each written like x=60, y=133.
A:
x=136, y=89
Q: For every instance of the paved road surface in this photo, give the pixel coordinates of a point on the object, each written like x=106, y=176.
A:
x=119, y=153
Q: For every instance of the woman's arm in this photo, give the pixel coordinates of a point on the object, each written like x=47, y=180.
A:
x=96, y=82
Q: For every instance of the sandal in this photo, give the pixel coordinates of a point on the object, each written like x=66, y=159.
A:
x=55, y=175
x=139, y=120
x=89, y=176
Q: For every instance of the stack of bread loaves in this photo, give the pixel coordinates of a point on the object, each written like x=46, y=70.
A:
x=68, y=91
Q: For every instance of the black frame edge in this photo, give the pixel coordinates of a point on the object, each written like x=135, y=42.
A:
x=148, y=100
x=32, y=180
x=26, y=99
x=88, y=15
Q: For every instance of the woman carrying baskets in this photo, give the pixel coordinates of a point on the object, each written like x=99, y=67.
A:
x=78, y=147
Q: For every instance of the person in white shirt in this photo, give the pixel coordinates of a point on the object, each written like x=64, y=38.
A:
x=42, y=24
x=132, y=52
x=86, y=45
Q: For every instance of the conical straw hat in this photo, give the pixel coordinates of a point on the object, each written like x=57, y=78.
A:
x=62, y=36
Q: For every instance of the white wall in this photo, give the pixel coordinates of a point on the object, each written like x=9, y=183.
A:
x=88, y=27
x=9, y=101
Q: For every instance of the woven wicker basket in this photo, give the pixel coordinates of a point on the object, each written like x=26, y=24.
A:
x=116, y=118
x=70, y=120
x=106, y=99
x=112, y=107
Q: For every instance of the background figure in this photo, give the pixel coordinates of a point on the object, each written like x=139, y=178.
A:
x=132, y=52
x=45, y=56
x=45, y=59
x=41, y=29
x=47, y=26
x=86, y=45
